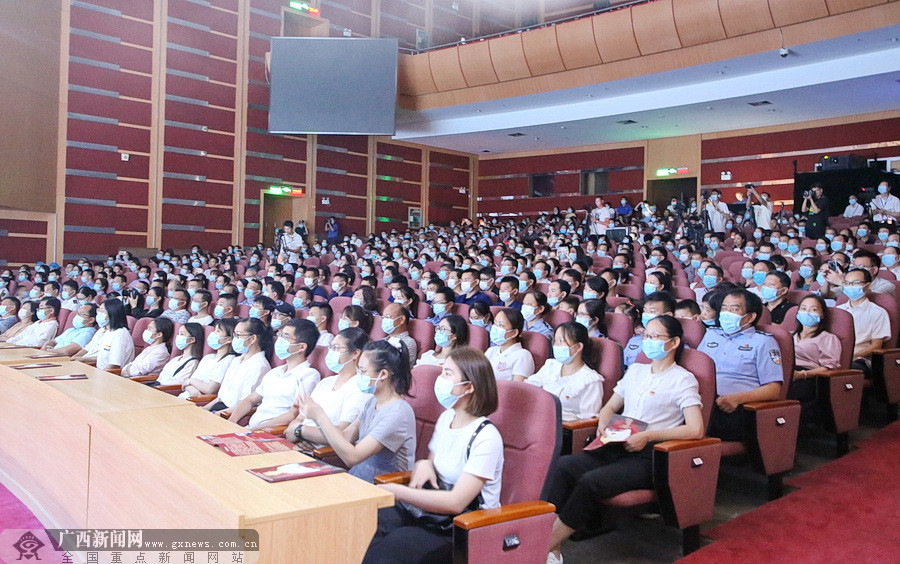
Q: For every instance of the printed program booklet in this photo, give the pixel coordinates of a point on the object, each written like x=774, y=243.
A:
x=617, y=430
x=35, y=365
x=63, y=377
x=294, y=471
x=251, y=442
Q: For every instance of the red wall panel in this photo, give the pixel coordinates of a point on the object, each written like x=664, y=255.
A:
x=215, y=69
x=215, y=143
x=218, y=45
x=126, y=111
x=121, y=191
x=142, y=10
x=184, y=239
x=131, y=58
x=104, y=161
x=402, y=151
x=277, y=145
x=214, y=169
x=123, y=219
x=292, y=172
x=355, y=143
x=125, y=138
x=16, y=250
x=217, y=20
x=211, y=218
x=91, y=20
x=213, y=118
x=135, y=86
x=399, y=169
x=343, y=161
x=215, y=94
x=209, y=192
x=23, y=226
x=353, y=185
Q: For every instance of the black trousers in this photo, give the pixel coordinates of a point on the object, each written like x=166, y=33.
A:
x=583, y=480
x=398, y=542
x=726, y=426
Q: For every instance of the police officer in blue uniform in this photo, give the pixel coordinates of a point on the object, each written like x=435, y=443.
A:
x=748, y=362
x=657, y=303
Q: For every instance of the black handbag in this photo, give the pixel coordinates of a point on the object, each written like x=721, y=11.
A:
x=439, y=522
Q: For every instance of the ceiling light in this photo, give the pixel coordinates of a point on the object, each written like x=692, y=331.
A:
x=626, y=122
x=516, y=134
x=760, y=103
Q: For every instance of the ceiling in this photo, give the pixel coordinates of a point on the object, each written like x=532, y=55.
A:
x=850, y=75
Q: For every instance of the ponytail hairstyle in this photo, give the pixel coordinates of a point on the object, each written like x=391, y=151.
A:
x=395, y=359
x=263, y=333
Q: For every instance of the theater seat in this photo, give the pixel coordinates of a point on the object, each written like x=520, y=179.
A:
x=519, y=530
x=840, y=390
x=137, y=334
x=422, y=332
x=633, y=291
x=619, y=328
x=693, y=332
x=539, y=347
x=479, y=338
x=886, y=362
x=556, y=317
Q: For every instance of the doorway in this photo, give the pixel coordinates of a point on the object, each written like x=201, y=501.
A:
x=275, y=211
x=661, y=192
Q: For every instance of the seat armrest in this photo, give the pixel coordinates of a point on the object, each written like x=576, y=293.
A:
x=590, y=422
x=206, y=398
x=886, y=375
x=885, y=351
x=324, y=451
x=774, y=404
x=675, y=445
x=837, y=372
x=512, y=512
x=401, y=478
x=90, y=362
x=224, y=414
x=144, y=378
x=169, y=388
x=277, y=430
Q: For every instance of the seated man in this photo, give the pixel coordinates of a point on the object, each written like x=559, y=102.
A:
x=78, y=335
x=395, y=324
x=657, y=303
x=870, y=321
x=40, y=333
x=200, y=305
x=469, y=291
x=748, y=362
x=178, y=304
x=442, y=305
x=509, y=291
x=774, y=294
x=320, y=313
x=226, y=306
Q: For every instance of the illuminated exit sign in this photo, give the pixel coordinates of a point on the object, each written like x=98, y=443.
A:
x=671, y=171
x=286, y=191
x=305, y=7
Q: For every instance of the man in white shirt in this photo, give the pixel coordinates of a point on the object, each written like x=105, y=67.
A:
x=200, y=304
x=600, y=217
x=854, y=208
x=395, y=324
x=275, y=394
x=871, y=322
x=67, y=296
x=41, y=332
x=762, y=211
x=885, y=206
x=320, y=314
x=718, y=213
x=177, y=311
x=291, y=243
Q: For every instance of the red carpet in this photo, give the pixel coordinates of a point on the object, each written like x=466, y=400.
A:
x=14, y=514
x=844, y=511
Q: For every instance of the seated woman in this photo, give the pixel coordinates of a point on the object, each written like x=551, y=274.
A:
x=280, y=386
x=252, y=342
x=454, y=477
x=663, y=395
x=572, y=373
x=480, y=316
x=806, y=273
x=355, y=316
x=158, y=336
x=534, y=307
x=365, y=297
x=383, y=439
x=508, y=358
x=590, y=314
x=338, y=395
x=451, y=332
x=189, y=341
x=815, y=350
x=112, y=345
x=27, y=316
x=747, y=274
x=407, y=297
x=154, y=301
x=597, y=289
x=212, y=368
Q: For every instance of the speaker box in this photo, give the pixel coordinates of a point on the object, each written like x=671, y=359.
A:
x=843, y=162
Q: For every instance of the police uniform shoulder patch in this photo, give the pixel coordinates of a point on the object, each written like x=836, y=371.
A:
x=775, y=355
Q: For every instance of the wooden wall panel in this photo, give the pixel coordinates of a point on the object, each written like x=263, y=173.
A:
x=654, y=27
x=698, y=21
x=542, y=51
x=740, y=17
x=787, y=12
x=841, y=6
x=445, y=69
x=508, y=57
x=475, y=61
x=614, y=36
x=576, y=44
x=414, y=75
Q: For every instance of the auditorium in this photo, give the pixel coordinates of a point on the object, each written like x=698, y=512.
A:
x=449, y=281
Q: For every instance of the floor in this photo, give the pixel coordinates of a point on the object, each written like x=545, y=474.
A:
x=644, y=540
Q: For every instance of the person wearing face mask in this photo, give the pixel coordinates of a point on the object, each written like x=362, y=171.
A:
x=656, y=304
x=624, y=209
x=189, y=341
x=252, y=342
x=395, y=324
x=442, y=305
x=774, y=295
x=854, y=208
x=340, y=286
x=815, y=350
x=590, y=314
x=383, y=438
x=282, y=315
x=200, y=304
x=871, y=322
x=252, y=289
x=39, y=333
x=572, y=373
x=469, y=291
x=177, y=307
x=158, y=337
x=817, y=206
x=280, y=386
x=112, y=345
x=662, y=394
x=9, y=309
x=712, y=276
x=890, y=261
x=262, y=309
x=79, y=335
x=534, y=307
x=465, y=460
x=806, y=273
x=211, y=370
x=718, y=213
x=510, y=360
x=450, y=333
x=338, y=395
x=885, y=206
x=320, y=314
x=748, y=362
x=67, y=296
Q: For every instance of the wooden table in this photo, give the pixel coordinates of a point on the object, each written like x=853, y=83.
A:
x=20, y=355
x=108, y=452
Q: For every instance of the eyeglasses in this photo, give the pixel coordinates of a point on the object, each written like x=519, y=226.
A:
x=236, y=334
x=444, y=330
x=656, y=337
x=337, y=349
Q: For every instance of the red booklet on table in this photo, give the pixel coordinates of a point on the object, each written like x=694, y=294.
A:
x=251, y=442
x=294, y=471
x=617, y=430
x=63, y=377
x=35, y=365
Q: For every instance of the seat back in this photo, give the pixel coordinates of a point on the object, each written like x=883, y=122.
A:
x=422, y=332
x=693, y=332
x=539, y=347
x=619, y=327
x=840, y=324
x=556, y=317
x=889, y=303
x=786, y=345
x=632, y=291
x=529, y=420
x=610, y=363
x=425, y=406
x=317, y=360
x=479, y=338
x=684, y=293
x=243, y=311
x=137, y=334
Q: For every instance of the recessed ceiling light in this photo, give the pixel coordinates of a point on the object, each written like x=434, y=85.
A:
x=562, y=126
x=626, y=122
x=516, y=134
x=760, y=103
x=485, y=150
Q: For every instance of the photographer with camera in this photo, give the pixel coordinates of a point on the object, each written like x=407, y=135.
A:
x=762, y=211
x=816, y=204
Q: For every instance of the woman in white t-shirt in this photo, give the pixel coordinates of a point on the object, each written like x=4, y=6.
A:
x=189, y=341
x=338, y=395
x=212, y=368
x=571, y=374
x=662, y=395
x=471, y=477
x=451, y=332
x=158, y=336
x=252, y=341
x=111, y=346
x=509, y=360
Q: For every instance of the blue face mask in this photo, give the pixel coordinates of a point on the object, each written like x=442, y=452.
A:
x=889, y=260
x=553, y=300
x=836, y=246
x=281, y=348
x=709, y=322
x=805, y=271
x=387, y=325
x=365, y=383
x=746, y=273
x=498, y=335
x=654, y=260
x=764, y=256
x=793, y=249
x=443, y=391
x=768, y=294
x=821, y=247
x=808, y=319
x=782, y=245
x=586, y=321
x=706, y=240
x=254, y=313
x=710, y=280
x=649, y=288
x=714, y=245
x=277, y=323
x=439, y=309
x=239, y=344
x=441, y=338
x=478, y=322
x=854, y=292
x=248, y=293
x=647, y=318
x=759, y=277
x=695, y=264
x=730, y=322
x=883, y=236
x=654, y=349
x=820, y=279
x=862, y=232
x=523, y=285
x=561, y=353
x=749, y=250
